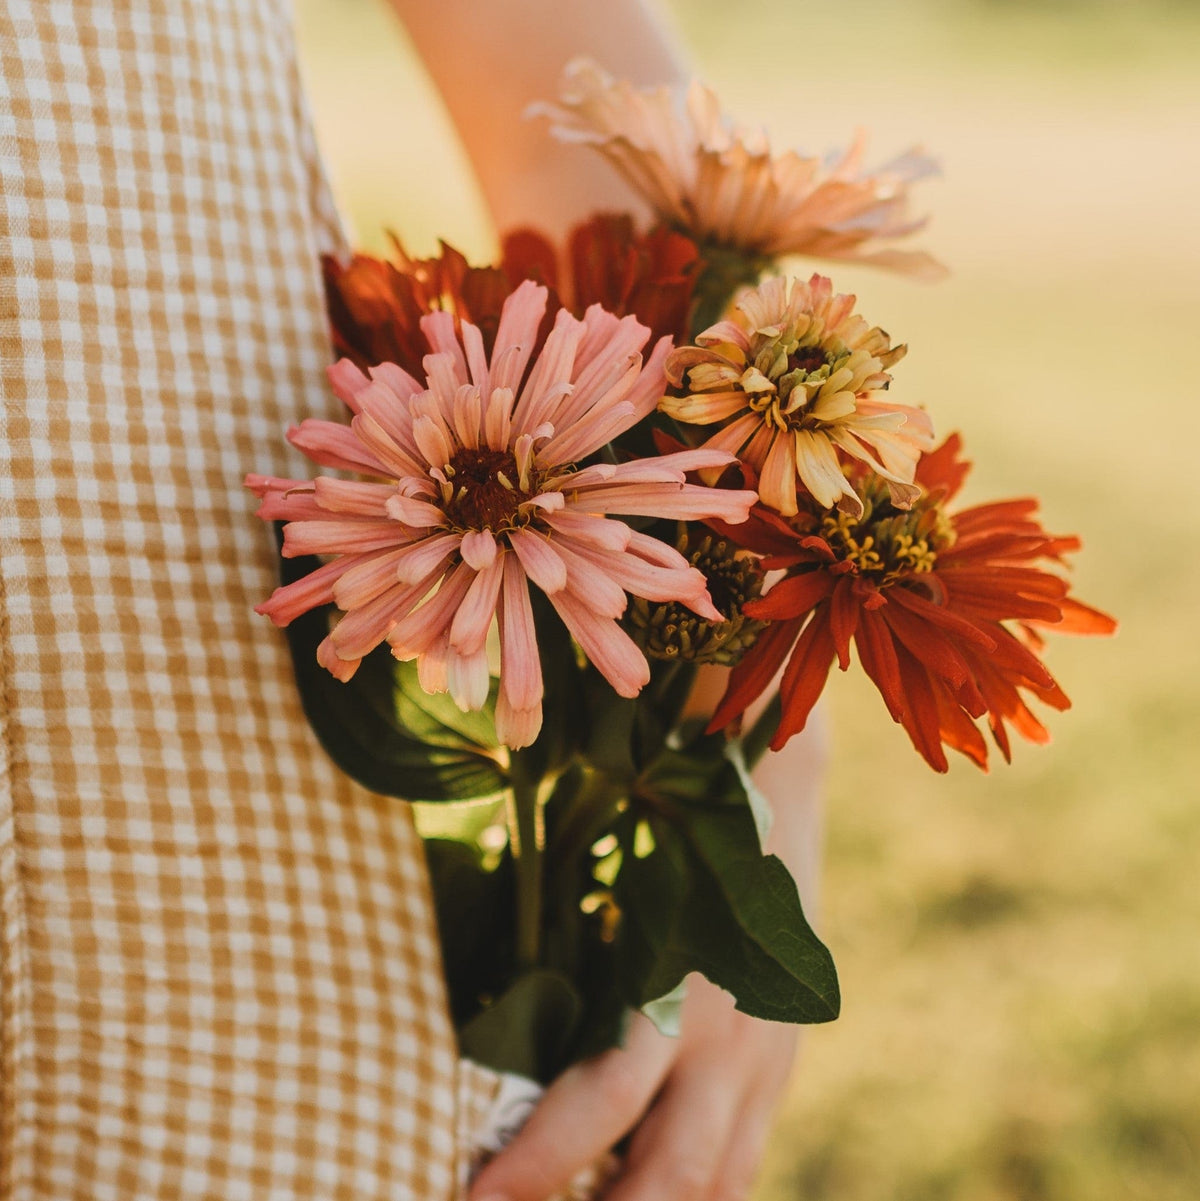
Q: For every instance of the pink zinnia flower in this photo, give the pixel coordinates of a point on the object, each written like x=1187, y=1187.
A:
x=477, y=493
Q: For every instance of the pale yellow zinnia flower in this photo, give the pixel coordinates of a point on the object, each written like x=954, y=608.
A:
x=793, y=376
x=723, y=186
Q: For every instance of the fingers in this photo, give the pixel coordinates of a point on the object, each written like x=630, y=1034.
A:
x=583, y=1113
x=700, y=1142
x=678, y=1148
x=704, y=1137
x=743, y=1156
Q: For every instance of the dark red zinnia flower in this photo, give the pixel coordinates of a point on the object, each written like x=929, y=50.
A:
x=375, y=305
x=607, y=262
x=943, y=609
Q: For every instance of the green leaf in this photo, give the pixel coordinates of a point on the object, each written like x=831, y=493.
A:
x=528, y=1028
x=474, y=915
x=694, y=768
x=760, y=806
x=359, y=725
x=709, y=900
x=610, y=724
x=434, y=718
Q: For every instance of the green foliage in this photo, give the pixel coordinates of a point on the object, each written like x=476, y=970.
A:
x=707, y=899
x=473, y=902
x=528, y=1029
x=652, y=865
x=660, y=834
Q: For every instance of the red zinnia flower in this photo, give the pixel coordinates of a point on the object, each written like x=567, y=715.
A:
x=941, y=607
x=376, y=305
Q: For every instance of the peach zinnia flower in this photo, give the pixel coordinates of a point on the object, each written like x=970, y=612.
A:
x=797, y=377
x=477, y=492
x=722, y=185
x=943, y=608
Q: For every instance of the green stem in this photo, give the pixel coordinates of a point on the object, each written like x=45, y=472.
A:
x=726, y=269
x=588, y=813
x=525, y=834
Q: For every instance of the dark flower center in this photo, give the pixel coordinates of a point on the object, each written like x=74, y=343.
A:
x=670, y=630
x=486, y=487
x=732, y=579
x=807, y=358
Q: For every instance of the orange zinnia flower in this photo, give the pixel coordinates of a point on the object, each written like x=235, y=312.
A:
x=723, y=186
x=376, y=305
x=942, y=608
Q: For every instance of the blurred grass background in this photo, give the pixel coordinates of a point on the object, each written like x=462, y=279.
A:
x=1019, y=952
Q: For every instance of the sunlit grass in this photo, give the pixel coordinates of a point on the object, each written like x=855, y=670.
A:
x=1018, y=951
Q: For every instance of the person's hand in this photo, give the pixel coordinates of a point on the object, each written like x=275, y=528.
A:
x=699, y=1108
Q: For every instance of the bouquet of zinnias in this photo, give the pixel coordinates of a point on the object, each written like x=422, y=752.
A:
x=580, y=474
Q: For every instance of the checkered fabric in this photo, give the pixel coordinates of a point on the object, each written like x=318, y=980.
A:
x=219, y=975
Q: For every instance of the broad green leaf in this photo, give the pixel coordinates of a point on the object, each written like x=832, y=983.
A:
x=698, y=769
x=528, y=1028
x=474, y=907
x=709, y=900
x=436, y=719
x=474, y=822
x=760, y=806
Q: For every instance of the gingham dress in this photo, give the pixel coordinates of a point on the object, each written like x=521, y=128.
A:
x=218, y=969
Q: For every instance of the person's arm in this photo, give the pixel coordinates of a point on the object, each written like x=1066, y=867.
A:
x=490, y=60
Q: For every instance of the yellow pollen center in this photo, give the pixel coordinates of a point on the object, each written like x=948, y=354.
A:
x=889, y=544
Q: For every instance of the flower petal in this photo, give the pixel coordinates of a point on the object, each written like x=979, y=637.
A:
x=613, y=653
x=479, y=548
x=467, y=678
x=539, y=559
x=468, y=630
x=804, y=677
x=520, y=661
x=751, y=676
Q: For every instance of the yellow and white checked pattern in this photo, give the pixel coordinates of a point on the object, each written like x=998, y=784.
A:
x=218, y=969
